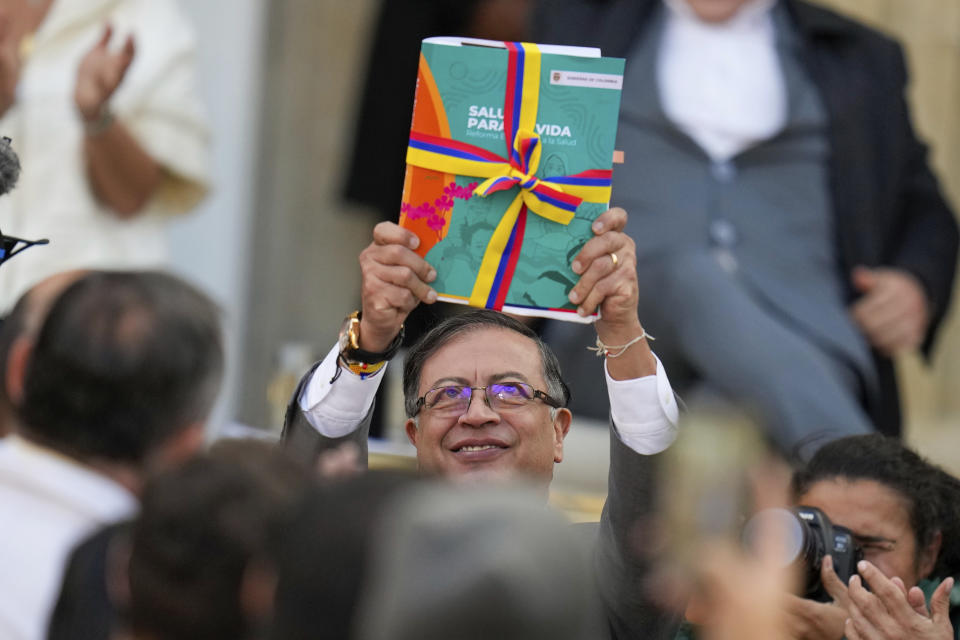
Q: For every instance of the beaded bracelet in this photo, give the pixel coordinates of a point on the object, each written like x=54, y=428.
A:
x=603, y=350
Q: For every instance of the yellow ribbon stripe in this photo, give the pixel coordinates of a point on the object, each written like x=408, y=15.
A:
x=598, y=195
x=530, y=101
x=491, y=257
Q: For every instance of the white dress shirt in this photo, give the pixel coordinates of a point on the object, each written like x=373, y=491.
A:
x=48, y=503
x=644, y=410
x=721, y=83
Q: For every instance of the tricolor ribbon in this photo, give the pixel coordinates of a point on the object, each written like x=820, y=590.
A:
x=555, y=199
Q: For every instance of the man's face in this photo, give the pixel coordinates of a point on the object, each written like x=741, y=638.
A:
x=716, y=10
x=879, y=519
x=522, y=440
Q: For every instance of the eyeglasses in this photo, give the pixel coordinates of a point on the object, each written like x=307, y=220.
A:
x=454, y=399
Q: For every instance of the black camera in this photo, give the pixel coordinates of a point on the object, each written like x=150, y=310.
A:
x=810, y=537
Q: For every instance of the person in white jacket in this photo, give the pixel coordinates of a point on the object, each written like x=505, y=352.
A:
x=100, y=99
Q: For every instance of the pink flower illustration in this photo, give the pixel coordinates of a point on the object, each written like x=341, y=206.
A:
x=437, y=223
x=456, y=191
x=415, y=213
x=444, y=202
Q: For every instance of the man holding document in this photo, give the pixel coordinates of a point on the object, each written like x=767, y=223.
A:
x=484, y=397
x=483, y=394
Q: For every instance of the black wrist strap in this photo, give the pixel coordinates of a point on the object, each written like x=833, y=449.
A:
x=370, y=357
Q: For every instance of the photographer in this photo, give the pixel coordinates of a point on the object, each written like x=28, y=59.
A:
x=904, y=514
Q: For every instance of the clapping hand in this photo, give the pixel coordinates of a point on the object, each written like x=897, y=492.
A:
x=100, y=73
x=9, y=63
x=889, y=611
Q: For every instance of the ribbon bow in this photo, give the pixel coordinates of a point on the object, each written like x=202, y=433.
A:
x=555, y=198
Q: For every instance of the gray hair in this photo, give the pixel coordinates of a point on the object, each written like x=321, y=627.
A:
x=466, y=322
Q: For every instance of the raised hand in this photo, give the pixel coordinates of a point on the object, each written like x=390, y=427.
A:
x=9, y=63
x=607, y=266
x=100, y=73
x=395, y=280
x=609, y=285
x=890, y=612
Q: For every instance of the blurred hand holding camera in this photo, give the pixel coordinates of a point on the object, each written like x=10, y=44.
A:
x=739, y=592
x=734, y=591
x=738, y=596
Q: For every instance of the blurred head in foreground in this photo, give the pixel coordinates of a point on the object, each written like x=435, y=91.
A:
x=324, y=554
x=202, y=548
x=17, y=334
x=475, y=563
x=123, y=372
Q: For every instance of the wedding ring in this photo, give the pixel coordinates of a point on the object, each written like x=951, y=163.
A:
x=615, y=259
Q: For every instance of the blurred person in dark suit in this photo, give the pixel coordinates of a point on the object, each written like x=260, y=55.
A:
x=203, y=546
x=324, y=555
x=198, y=561
x=101, y=99
x=791, y=237
x=117, y=382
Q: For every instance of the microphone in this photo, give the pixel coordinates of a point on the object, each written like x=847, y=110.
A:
x=9, y=166
x=9, y=174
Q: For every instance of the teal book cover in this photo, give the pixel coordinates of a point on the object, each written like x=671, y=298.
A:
x=509, y=163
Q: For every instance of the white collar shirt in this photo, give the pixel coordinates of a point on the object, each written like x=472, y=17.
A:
x=721, y=83
x=48, y=503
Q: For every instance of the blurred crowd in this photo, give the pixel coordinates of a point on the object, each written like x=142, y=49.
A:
x=776, y=226
x=121, y=523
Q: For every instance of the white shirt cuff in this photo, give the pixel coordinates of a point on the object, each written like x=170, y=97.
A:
x=336, y=408
x=644, y=411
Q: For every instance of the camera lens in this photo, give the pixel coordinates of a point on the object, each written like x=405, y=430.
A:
x=800, y=541
x=793, y=536
x=805, y=536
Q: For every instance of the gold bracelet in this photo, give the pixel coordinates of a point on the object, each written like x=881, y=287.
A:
x=603, y=350
x=363, y=369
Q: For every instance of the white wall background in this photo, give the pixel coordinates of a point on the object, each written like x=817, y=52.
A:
x=210, y=247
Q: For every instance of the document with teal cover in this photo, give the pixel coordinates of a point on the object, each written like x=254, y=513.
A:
x=509, y=163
